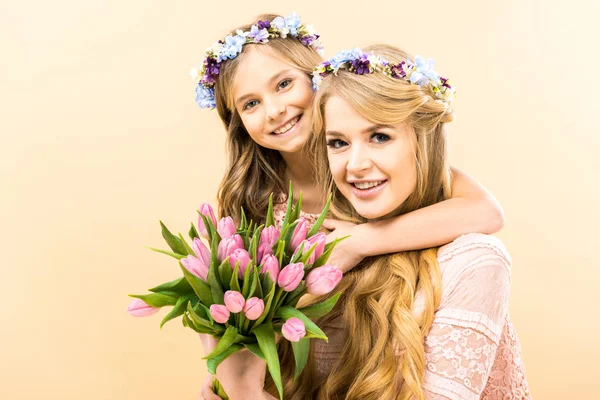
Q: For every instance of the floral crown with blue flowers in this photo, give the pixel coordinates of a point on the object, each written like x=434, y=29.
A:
x=229, y=48
x=420, y=72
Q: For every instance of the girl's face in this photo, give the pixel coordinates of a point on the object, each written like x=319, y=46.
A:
x=374, y=166
x=274, y=100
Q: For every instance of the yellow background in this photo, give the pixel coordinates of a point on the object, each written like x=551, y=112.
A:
x=101, y=138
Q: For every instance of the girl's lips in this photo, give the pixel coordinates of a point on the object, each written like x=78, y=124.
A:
x=368, y=193
x=292, y=129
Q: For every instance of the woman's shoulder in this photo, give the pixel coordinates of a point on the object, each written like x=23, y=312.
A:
x=474, y=253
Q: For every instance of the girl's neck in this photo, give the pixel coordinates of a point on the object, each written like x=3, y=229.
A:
x=301, y=172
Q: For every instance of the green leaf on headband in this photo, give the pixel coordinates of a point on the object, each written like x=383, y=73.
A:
x=193, y=233
x=156, y=299
x=225, y=342
x=270, y=219
x=179, y=308
x=326, y=253
x=174, y=255
x=173, y=241
x=174, y=288
x=225, y=273
x=301, y=350
x=213, y=362
x=315, y=228
x=288, y=211
x=312, y=330
x=266, y=341
x=201, y=288
x=216, y=289
x=321, y=309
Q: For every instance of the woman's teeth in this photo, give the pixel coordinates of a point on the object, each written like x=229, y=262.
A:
x=367, y=185
x=287, y=126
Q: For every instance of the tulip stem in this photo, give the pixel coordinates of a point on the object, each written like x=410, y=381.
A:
x=278, y=293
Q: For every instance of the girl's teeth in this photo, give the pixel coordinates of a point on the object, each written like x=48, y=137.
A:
x=287, y=126
x=367, y=185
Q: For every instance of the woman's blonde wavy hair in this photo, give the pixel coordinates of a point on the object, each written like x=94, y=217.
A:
x=253, y=172
x=383, y=356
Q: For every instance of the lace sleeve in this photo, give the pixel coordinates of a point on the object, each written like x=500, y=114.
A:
x=461, y=347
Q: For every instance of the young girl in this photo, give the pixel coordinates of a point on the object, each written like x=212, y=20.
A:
x=258, y=78
x=420, y=324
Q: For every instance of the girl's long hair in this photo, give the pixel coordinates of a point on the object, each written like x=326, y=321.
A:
x=383, y=354
x=253, y=172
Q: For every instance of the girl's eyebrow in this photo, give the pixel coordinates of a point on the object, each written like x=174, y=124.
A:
x=271, y=80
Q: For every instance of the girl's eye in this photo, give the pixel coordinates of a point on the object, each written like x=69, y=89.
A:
x=336, y=143
x=250, y=104
x=284, y=83
x=380, y=137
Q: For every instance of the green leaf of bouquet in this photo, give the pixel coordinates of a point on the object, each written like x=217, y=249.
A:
x=234, y=284
x=225, y=342
x=312, y=329
x=178, y=309
x=173, y=241
x=213, y=363
x=203, y=323
x=255, y=349
x=214, y=249
x=256, y=288
x=253, y=280
x=169, y=253
x=188, y=323
x=289, y=231
x=270, y=219
x=244, y=221
x=301, y=350
x=188, y=248
x=294, y=296
x=193, y=233
x=315, y=228
x=268, y=300
x=320, y=309
x=246, y=282
x=210, y=228
x=255, y=240
x=288, y=210
x=216, y=288
x=156, y=299
x=180, y=286
x=298, y=207
x=203, y=312
x=297, y=254
x=326, y=253
x=266, y=341
x=225, y=273
x=201, y=288
x=280, y=252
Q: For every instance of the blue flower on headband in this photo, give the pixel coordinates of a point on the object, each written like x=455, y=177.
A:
x=341, y=58
x=424, y=71
x=205, y=97
x=258, y=35
x=292, y=22
x=232, y=47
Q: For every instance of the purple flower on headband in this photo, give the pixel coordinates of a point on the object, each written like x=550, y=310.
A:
x=308, y=39
x=263, y=24
x=212, y=70
x=398, y=70
x=361, y=64
x=259, y=35
x=445, y=83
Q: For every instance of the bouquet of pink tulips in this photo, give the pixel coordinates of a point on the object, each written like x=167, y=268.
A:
x=244, y=287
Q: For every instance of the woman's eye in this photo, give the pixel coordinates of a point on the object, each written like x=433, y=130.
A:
x=336, y=143
x=250, y=104
x=380, y=137
x=284, y=83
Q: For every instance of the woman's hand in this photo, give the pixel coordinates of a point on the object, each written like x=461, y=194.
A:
x=206, y=393
x=347, y=253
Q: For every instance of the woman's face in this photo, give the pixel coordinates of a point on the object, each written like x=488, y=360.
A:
x=274, y=100
x=374, y=166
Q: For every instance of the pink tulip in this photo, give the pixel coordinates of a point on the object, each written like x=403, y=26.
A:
x=234, y=301
x=263, y=250
x=290, y=276
x=219, y=313
x=226, y=228
x=293, y=329
x=241, y=256
x=139, y=308
x=195, y=267
x=319, y=240
x=269, y=236
x=207, y=211
x=254, y=308
x=299, y=234
x=270, y=266
x=323, y=279
x=228, y=246
x=202, y=252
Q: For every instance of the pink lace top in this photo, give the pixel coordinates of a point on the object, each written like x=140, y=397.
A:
x=472, y=350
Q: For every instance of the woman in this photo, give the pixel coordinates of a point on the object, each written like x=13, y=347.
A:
x=420, y=324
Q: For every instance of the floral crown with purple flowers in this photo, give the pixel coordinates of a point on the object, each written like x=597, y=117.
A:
x=420, y=72
x=229, y=48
